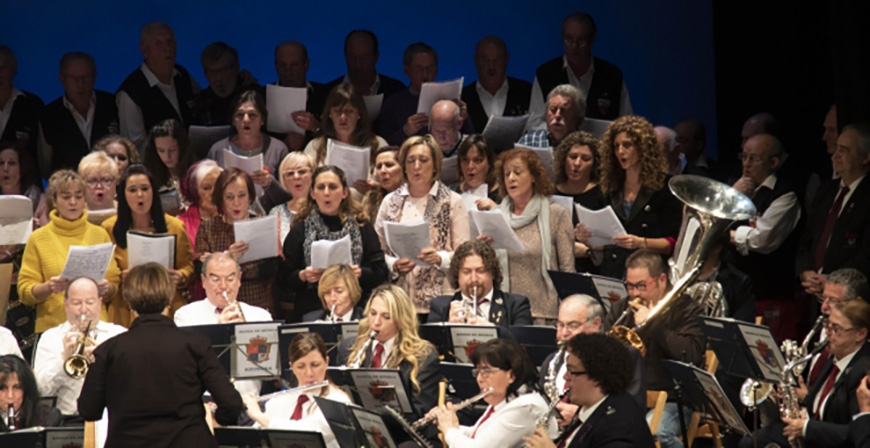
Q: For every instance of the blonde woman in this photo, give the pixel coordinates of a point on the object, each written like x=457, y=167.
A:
x=339, y=292
x=295, y=175
x=100, y=173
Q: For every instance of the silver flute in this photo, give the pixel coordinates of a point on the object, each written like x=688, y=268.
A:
x=361, y=354
x=294, y=390
x=425, y=421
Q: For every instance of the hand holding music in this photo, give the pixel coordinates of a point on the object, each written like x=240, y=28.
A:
x=430, y=256
x=237, y=250
x=262, y=177
x=310, y=275
x=403, y=266
x=629, y=241
x=415, y=123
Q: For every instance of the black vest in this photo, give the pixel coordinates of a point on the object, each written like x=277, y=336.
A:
x=602, y=100
x=155, y=107
x=23, y=123
x=63, y=134
x=519, y=93
x=773, y=274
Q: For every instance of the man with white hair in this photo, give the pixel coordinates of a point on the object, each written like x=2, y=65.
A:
x=158, y=90
x=445, y=122
x=566, y=109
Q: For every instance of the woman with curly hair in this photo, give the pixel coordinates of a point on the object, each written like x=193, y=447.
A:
x=543, y=227
x=391, y=315
x=331, y=214
x=633, y=179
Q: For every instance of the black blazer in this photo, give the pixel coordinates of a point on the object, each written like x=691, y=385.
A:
x=45, y=416
x=357, y=314
x=842, y=404
x=617, y=422
x=849, y=246
x=859, y=431
x=427, y=376
x=505, y=310
x=636, y=388
x=151, y=379
x=519, y=94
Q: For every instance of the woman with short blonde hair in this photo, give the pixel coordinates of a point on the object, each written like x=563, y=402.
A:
x=100, y=173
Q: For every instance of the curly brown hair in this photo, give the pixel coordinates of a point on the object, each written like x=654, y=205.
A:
x=482, y=250
x=560, y=154
x=654, y=166
x=541, y=182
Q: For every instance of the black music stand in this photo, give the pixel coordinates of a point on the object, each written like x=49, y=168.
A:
x=744, y=350
x=332, y=334
x=539, y=341
x=43, y=437
x=374, y=388
x=456, y=342
x=259, y=437
x=223, y=341
x=606, y=289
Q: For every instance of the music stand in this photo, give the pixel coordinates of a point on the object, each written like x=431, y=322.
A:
x=744, y=350
x=606, y=289
x=43, y=437
x=456, y=342
x=332, y=334
x=374, y=388
x=460, y=381
x=539, y=341
x=258, y=437
x=242, y=349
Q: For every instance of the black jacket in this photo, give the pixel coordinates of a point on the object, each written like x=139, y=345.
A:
x=636, y=388
x=859, y=431
x=151, y=379
x=616, y=423
x=62, y=133
x=505, y=310
x=316, y=315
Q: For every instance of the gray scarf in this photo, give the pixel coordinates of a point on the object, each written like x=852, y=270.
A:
x=316, y=229
x=537, y=209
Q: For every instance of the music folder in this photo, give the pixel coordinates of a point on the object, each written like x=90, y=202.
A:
x=702, y=392
x=374, y=388
x=538, y=340
x=744, y=350
x=354, y=426
x=43, y=437
x=456, y=342
x=237, y=436
x=460, y=381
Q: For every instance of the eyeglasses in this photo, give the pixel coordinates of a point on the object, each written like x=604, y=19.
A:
x=575, y=373
x=639, y=286
x=241, y=115
x=752, y=158
x=833, y=300
x=347, y=111
x=833, y=329
x=300, y=173
x=571, y=326
x=575, y=41
x=483, y=373
x=104, y=181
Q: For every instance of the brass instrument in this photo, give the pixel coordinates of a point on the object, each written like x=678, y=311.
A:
x=10, y=417
x=550, y=389
x=469, y=308
x=790, y=407
x=362, y=352
x=711, y=208
x=237, y=304
x=426, y=421
x=711, y=297
x=294, y=390
x=76, y=366
x=625, y=334
x=544, y=419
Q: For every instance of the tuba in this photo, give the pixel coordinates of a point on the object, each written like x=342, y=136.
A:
x=711, y=208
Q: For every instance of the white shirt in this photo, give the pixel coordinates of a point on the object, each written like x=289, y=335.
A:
x=583, y=414
x=482, y=308
x=203, y=312
x=280, y=409
x=493, y=104
x=6, y=111
x=85, y=125
x=773, y=226
x=538, y=105
x=48, y=365
x=8, y=343
x=505, y=428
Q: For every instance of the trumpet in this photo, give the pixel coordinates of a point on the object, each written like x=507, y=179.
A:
x=362, y=351
x=237, y=304
x=426, y=421
x=76, y=366
x=294, y=390
x=469, y=310
x=627, y=335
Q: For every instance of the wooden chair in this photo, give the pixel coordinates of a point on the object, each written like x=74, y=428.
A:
x=655, y=400
x=90, y=440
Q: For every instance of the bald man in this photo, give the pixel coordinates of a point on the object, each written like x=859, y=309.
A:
x=494, y=93
x=445, y=123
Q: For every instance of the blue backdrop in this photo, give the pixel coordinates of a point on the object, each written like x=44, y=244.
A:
x=665, y=48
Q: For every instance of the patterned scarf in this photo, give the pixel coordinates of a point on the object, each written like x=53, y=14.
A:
x=316, y=229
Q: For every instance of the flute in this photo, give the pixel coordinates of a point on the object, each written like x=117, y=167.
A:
x=294, y=390
x=465, y=403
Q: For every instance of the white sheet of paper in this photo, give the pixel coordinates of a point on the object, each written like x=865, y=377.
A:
x=96, y=217
x=143, y=249
x=502, y=132
x=546, y=156
x=354, y=160
x=449, y=170
x=16, y=219
x=88, y=261
x=433, y=92
x=469, y=197
x=373, y=105
x=262, y=237
x=281, y=102
x=407, y=240
x=567, y=202
x=203, y=137
x=493, y=224
x=604, y=225
x=249, y=165
x=325, y=253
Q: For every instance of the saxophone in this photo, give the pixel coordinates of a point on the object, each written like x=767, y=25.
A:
x=550, y=389
x=543, y=421
x=790, y=407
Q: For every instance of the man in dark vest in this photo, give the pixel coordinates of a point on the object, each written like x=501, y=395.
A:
x=226, y=80
x=291, y=65
x=601, y=81
x=691, y=140
x=361, y=56
x=766, y=247
x=19, y=111
x=494, y=93
x=158, y=90
x=70, y=125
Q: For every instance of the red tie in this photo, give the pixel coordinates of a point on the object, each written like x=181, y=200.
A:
x=339, y=319
x=485, y=416
x=376, y=360
x=817, y=367
x=219, y=310
x=825, y=236
x=832, y=378
x=564, y=388
x=297, y=413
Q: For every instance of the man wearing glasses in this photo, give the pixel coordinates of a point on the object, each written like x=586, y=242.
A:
x=675, y=334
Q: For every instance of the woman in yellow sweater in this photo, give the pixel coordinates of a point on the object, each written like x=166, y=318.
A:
x=39, y=281
x=138, y=211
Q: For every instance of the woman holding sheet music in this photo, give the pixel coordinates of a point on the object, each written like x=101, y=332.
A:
x=167, y=157
x=299, y=411
x=331, y=215
x=139, y=211
x=543, y=227
x=233, y=194
x=295, y=174
x=39, y=281
x=424, y=198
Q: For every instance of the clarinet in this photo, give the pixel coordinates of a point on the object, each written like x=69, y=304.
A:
x=425, y=421
x=542, y=422
x=10, y=417
x=359, y=356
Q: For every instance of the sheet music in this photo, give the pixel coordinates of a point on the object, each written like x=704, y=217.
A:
x=16, y=219
x=257, y=354
x=64, y=437
x=502, y=132
x=379, y=387
x=713, y=391
x=144, y=248
x=262, y=237
x=566, y=202
x=450, y=170
x=609, y=289
x=249, y=165
x=373, y=105
x=471, y=196
x=374, y=428
x=96, y=217
x=595, y=126
x=170, y=200
x=495, y=225
x=764, y=350
x=407, y=240
x=325, y=253
x=353, y=160
x=604, y=225
x=295, y=439
x=433, y=92
x=88, y=261
x=546, y=156
x=281, y=102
